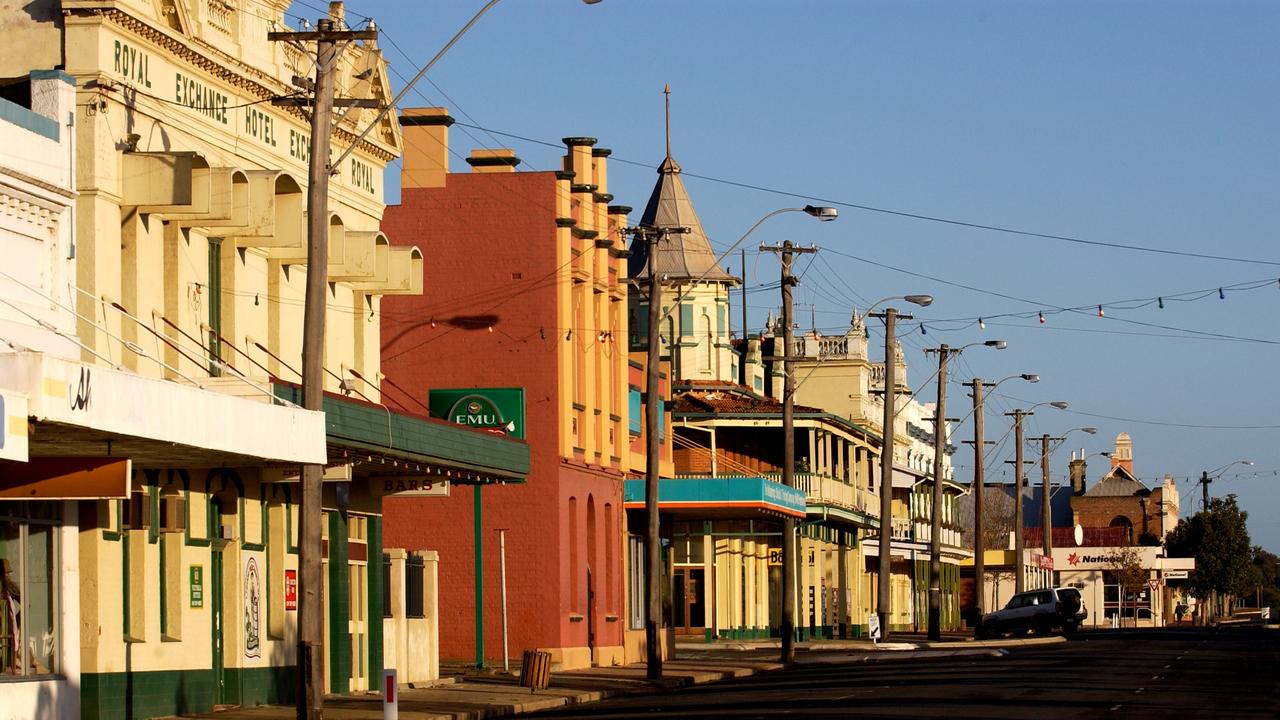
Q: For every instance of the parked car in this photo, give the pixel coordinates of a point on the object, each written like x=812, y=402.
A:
x=1043, y=611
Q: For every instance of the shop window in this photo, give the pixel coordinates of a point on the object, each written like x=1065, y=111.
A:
x=386, y=585
x=28, y=590
x=635, y=582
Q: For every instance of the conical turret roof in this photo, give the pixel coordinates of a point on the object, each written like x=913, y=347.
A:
x=681, y=256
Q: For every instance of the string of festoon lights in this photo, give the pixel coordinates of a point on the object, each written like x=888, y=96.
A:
x=1043, y=314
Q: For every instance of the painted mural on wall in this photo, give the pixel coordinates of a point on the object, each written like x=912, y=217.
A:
x=252, y=608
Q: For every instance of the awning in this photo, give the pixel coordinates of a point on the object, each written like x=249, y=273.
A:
x=82, y=410
x=719, y=497
x=378, y=441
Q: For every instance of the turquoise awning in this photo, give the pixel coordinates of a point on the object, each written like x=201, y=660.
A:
x=719, y=496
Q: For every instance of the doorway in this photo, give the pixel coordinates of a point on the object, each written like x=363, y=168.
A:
x=690, y=611
x=215, y=606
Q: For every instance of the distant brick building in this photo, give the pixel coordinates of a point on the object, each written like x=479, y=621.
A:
x=1135, y=513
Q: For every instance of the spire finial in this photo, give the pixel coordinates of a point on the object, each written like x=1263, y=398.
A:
x=666, y=90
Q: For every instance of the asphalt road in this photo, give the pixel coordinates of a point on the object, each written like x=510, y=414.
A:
x=1173, y=674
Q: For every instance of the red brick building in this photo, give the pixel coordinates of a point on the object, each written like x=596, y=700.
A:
x=1133, y=513
x=525, y=286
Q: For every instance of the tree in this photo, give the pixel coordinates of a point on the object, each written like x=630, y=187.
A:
x=1268, y=565
x=1218, y=539
x=1126, y=566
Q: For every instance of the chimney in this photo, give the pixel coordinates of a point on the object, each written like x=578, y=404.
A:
x=579, y=161
x=498, y=160
x=426, y=147
x=1076, y=470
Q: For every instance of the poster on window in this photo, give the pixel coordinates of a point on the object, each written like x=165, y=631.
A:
x=252, y=608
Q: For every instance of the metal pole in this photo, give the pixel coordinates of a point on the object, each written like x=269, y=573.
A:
x=502, y=564
x=979, y=541
x=1046, y=514
x=886, y=474
x=653, y=394
x=477, y=534
x=311, y=600
x=1019, y=584
x=935, y=537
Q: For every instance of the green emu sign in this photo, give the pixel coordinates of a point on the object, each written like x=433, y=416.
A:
x=498, y=409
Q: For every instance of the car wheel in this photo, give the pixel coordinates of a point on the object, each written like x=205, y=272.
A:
x=1043, y=627
x=991, y=629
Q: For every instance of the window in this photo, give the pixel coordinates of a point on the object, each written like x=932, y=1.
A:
x=28, y=589
x=386, y=585
x=635, y=582
x=413, y=587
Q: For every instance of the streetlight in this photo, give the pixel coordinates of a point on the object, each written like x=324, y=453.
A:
x=1019, y=583
x=1209, y=476
x=979, y=448
x=890, y=316
x=945, y=354
x=1046, y=517
x=653, y=563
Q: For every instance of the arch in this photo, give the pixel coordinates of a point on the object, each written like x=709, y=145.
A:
x=1122, y=521
x=592, y=564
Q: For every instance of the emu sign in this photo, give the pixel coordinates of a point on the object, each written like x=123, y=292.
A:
x=499, y=410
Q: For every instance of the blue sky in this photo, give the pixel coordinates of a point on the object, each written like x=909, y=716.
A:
x=1150, y=124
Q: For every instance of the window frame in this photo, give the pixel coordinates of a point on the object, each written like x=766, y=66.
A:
x=19, y=515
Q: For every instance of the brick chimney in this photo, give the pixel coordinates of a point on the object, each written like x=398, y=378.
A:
x=498, y=160
x=1076, y=470
x=426, y=147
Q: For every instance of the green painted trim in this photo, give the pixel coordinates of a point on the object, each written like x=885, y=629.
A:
x=339, y=607
x=374, y=623
x=583, y=188
x=164, y=597
x=582, y=234
x=367, y=427
x=565, y=222
x=565, y=174
x=124, y=575
x=164, y=693
x=478, y=542
x=493, y=161
x=620, y=209
x=153, y=501
x=601, y=152
x=410, y=120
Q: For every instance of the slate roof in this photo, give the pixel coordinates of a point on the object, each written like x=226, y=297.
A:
x=1117, y=483
x=683, y=256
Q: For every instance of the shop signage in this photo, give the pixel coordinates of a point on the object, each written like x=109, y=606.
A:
x=13, y=434
x=1175, y=574
x=290, y=589
x=252, y=608
x=197, y=586
x=409, y=485
x=1044, y=562
x=499, y=410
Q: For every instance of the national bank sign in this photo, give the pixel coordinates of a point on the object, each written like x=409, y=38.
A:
x=499, y=410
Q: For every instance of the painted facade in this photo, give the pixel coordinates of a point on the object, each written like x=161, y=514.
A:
x=545, y=311
x=154, y=333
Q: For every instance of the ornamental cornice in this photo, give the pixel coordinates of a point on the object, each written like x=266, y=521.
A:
x=264, y=88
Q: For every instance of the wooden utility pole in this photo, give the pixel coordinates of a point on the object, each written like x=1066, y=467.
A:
x=884, y=595
x=310, y=657
x=1046, y=510
x=979, y=542
x=788, y=251
x=939, y=450
x=1019, y=581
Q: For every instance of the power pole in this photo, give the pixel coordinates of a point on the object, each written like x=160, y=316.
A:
x=979, y=542
x=788, y=250
x=1204, y=485
x=310, y=650
x=1019, y=582
x=1046, y=516
x=883, y=596
x=935, y=525
x=653, y=453
x=742, y=364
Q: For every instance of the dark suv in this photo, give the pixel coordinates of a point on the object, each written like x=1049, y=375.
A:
x=1043, y=611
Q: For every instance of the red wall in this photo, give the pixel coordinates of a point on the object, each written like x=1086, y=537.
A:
x=488, y=251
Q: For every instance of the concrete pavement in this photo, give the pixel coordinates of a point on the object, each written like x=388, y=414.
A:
x=468, y=695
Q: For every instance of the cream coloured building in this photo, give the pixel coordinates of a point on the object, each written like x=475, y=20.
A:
x=170, y=364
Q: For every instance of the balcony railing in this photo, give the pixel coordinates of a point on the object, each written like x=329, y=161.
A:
x=820, y=489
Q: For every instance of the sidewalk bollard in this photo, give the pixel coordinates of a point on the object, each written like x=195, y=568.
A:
x=390, y=703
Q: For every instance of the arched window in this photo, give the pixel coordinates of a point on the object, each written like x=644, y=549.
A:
x=1121, y=521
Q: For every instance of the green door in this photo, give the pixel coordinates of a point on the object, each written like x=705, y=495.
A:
x=215, y=606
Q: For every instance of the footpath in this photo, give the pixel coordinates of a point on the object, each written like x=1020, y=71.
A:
x=466, y=693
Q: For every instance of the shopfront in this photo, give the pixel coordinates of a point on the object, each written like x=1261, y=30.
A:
x=1100, y=573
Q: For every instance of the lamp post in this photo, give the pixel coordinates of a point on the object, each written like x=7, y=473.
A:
x=945, y=354
x=979, y=449
x=1019, y=583
x=890, y=317
x=1209, y=476
x=653, y=561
